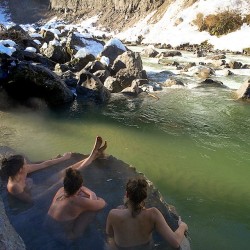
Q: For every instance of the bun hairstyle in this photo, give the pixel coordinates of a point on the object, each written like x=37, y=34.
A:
x=72, y=181
x=137, y=192
x=11, y=165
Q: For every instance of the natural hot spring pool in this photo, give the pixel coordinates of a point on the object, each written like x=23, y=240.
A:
x=107, y=177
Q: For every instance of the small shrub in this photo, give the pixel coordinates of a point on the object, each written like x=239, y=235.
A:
x=221, y=23
x=246, y=51
x=199, y=21
x=246, y=19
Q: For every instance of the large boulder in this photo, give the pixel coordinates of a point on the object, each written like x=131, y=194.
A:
x=27, y=80
x=201, y=71
x=91, y=87
x=76, y=41
x=211, y=83
x=113, y=85
x=149, y=52
x=34, y=57
x=76, y=64
x=127, y=67
x=113, y=49
x=56, y=52
x=133, y=90
x=244, y=91
x=172, y=81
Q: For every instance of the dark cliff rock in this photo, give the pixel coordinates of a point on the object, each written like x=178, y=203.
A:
x=112, y=13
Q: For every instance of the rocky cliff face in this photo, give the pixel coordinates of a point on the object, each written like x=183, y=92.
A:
x=116, y=14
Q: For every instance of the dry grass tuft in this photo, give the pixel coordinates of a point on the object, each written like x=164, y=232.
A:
x=221, y=23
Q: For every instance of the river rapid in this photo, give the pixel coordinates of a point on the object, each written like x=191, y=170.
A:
x=193, y=143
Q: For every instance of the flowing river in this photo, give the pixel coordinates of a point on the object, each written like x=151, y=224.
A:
x=193, y=143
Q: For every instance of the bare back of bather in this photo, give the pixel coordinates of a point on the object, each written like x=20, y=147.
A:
x=131, y=227
x=132, y=232
x=74, y=205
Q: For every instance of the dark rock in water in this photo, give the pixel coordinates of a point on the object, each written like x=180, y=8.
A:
x=244, y=91
x=170, y=53
x=127, y=67
x=107, y=177
x=246, y=66
x=235, y=65
x=172, y=81
x=212, y=83
x=149, y=52
x=133, y=90
x=216, y=57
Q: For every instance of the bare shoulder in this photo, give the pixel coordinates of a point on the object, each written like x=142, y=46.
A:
x=153, y=212
x=60, y=191
x=116, y=212
x=14, y=188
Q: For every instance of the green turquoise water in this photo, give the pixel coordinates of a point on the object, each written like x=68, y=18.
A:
x=192, y=143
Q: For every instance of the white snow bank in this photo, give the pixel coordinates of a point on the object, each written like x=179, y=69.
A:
x=169, y=31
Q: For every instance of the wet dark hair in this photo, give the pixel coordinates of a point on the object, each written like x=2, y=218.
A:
x=72, y=181
x=11, y=165
x=137, y=192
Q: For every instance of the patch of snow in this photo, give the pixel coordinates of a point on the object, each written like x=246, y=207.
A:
x=34, y=35
x=105, y=60
x=235, y=41
x=31, y=49
x=44, y=46
x=82, y=52
x=92, y=46
x=37, y=42
x=55, y=43
x=8, y=43
x=141, y=28
x=117, y=43
x=6, y=50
